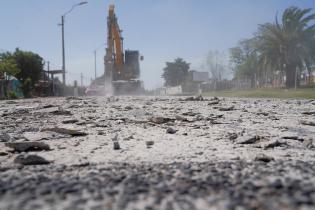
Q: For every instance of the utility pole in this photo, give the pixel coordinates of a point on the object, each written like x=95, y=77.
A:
x=295, y=78
x=95, y=62
x=63, y=50
x=48, y=91
x=81, y=80
x=48, y=68
x=95, y=65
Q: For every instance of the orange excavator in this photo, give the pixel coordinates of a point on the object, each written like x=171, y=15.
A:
x=122, y=69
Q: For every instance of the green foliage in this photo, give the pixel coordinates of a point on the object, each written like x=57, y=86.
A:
x=237, y=56
x=306, y=93
x=8, y=66
x=30, y=66
x=12, y=95
x=245, y=60
x=285, y=45
x=27, y=87
x=175, y=73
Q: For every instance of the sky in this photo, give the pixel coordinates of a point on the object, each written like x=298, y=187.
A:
x=161, y=30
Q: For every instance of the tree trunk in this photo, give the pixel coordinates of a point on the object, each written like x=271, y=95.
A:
x=309, y=72
x=2, y=90
x=5, y=87
x=252, y=81
x=309, y=81
x=290, y=76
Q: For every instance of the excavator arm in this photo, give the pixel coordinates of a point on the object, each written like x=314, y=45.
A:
x=122, y=69
x=115, y=45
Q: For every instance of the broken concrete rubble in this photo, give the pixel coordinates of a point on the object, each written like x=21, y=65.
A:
x=307, y=122
x=27, y=146
x=274, y=144
x=5, y=137
x=67, y=131
x=197, y=98
x=70, y=121
x=225, y=109
x=31, y=160
x=264, y=158
x=160, y=120
x=248, y=139
x=213, y=153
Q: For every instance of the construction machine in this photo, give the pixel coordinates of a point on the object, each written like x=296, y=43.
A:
x=122, y=68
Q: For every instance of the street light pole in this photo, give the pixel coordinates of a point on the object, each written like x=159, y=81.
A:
x=95, y=65
x=95, y=62
x=63, y=40
x=63, y=50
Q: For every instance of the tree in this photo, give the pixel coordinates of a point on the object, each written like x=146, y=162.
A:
x=245, y=61
x=288, y=45
x=216, y=65
x=8, y=67
x=31, y=66
x=175, y=73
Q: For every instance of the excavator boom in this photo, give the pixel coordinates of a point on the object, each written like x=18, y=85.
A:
x=122, y=69
x=114, y=41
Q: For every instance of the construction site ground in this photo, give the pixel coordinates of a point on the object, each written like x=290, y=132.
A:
x=157, y=153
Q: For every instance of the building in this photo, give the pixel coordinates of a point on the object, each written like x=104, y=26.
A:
x=195, y=81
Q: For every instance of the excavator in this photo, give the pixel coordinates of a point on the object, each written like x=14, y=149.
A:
x=122, y=68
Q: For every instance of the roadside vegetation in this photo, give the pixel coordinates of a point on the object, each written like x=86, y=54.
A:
x=280, y=55
x=25, y=66
x=285, y=47
x=305, y=93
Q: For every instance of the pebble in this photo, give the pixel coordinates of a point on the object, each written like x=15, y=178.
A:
x=5, y=137
x=116, y=145
x=3, y=153
x=264, y=158
x=70, y=121
x=308, y=143
x=171, y=130
x=149, y=144
x=160, y=120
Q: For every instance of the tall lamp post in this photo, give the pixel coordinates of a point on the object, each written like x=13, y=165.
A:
x=95, y=51
x=63, y=40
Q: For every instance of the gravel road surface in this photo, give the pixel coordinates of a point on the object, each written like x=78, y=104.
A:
x=157, y=153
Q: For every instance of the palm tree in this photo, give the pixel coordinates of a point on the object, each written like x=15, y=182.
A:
x=288, y=46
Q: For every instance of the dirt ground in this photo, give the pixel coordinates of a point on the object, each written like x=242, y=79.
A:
x=157, y=153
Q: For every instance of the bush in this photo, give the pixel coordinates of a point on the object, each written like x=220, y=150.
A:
x=12, y=95
x=27, y=87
